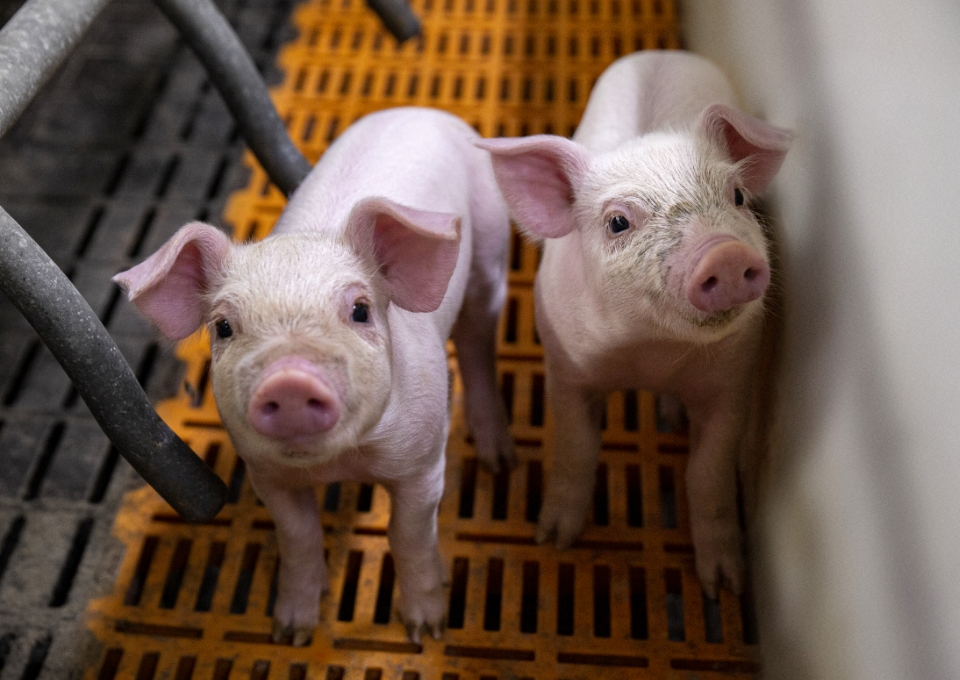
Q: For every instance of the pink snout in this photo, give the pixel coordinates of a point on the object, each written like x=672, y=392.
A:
x=293, y=401
x=728, y=274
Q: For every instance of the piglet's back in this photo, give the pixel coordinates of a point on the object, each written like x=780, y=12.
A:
x=420, y=158
x=650, y=91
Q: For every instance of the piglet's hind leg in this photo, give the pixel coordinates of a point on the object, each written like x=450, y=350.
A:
x=475, y=338
x=475, y=335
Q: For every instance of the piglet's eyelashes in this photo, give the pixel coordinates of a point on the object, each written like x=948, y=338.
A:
x=621, y=219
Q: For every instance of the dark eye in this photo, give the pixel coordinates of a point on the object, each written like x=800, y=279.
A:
x=223, y=328
x=361, y=312
x=737, y=197
x=618, y=223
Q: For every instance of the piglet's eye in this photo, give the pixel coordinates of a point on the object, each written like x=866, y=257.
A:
x=361, y=312
x=223, y=328
x=737, y=197
x=618, y=224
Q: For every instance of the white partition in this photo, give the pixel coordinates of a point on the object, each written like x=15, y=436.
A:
x=862, y=532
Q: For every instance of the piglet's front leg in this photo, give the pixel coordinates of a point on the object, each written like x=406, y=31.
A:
x=715, y=435
x=416, y=554
x=569, y=491
x=303, y=572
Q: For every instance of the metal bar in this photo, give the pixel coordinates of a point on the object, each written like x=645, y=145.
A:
x=65, y=322
x=236, y=77
x=33, y=44
x=397, y=16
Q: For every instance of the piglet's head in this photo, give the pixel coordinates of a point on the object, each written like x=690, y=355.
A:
x=298, y=323
x=662, y=226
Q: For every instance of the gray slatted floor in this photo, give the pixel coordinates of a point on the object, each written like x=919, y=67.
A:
x=127, y=143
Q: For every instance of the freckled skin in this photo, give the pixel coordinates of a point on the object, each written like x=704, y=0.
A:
x=662, y=144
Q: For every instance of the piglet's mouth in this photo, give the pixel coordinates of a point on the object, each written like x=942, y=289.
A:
x=718, y=319
x=297, y=452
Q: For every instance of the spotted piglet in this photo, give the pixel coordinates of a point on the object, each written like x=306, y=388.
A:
x=653, y=276
x=328, y=340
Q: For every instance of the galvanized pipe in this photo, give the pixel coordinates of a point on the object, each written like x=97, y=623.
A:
x=33, y=44
x=234, y=74
x=397, y=16
x=75, y=336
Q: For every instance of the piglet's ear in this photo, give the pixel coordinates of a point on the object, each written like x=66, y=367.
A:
x=763, y=146
x=537, y=176
x=415, y=250
x=168, y=286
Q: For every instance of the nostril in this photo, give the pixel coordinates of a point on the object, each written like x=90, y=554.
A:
x=294, y=401
x=750, y=274
x=709, y=284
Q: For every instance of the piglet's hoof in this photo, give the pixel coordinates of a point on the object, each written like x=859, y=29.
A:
x=719, y=558
x=426, y=612
x=299, y=636
x=434, y=629
x=561, y=520
x=725, y=571
x=502, y=458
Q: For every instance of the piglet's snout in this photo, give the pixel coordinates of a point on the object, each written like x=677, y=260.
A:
x=294, y=401
x=728, y=274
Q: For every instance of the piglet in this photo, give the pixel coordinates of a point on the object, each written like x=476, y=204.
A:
x=328, y=340
x=653, y=276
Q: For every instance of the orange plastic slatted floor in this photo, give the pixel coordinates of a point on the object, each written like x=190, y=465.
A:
x=195, y=601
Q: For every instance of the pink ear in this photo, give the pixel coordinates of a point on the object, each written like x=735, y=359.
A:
x=415, y=250
x=168, y=286
x=537, y=176
x=761, y=145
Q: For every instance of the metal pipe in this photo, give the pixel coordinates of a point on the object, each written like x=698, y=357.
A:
x=397, y=16
x=234, y=74
x=33, y=44
x=75, y=336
